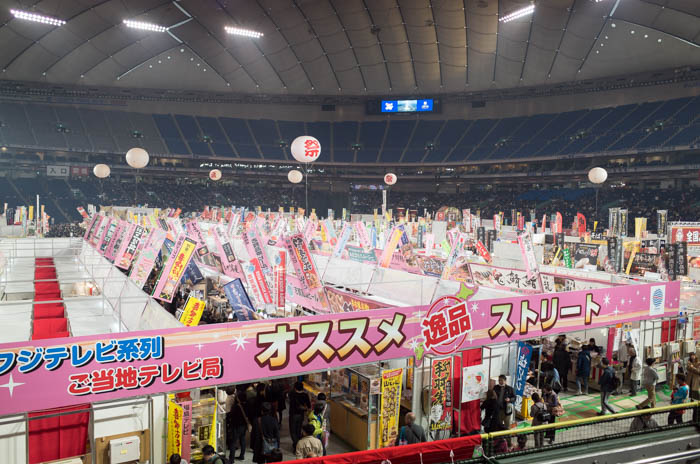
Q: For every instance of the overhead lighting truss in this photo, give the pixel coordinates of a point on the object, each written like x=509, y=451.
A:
x=144, y=26
x=243, y=32
x=518, y=13
x=37, y=18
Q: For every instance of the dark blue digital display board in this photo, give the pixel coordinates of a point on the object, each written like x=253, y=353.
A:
x=407, y=106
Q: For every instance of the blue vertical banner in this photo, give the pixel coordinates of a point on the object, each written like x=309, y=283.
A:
x=521, y=370
x=239, y=300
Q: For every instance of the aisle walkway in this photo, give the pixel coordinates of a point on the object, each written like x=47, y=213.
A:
x=582, y=406
x=335, y=445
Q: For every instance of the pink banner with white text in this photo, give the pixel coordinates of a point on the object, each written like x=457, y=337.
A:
x=112, y=366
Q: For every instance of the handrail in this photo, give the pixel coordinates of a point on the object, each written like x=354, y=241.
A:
x=588, y=420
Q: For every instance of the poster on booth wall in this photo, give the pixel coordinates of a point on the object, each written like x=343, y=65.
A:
x=175, y=432
x=441, y=394
x=475, y=382
x=390, y=407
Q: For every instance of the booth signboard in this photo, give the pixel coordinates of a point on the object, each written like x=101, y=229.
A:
x=112, y=366
x=441, y=394
x=585, y=254
x=688, y=232
x=504, y=279
x=341, y=301
x=390, y=406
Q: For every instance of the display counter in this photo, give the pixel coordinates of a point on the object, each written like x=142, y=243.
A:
x=354, y=405
x=350, y=424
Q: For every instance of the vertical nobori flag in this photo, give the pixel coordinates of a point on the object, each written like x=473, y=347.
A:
x=344, y=237
x=90, y=230
x=225, y=250
x=280, y=280
x=170, y=276
x=581, y=224
x=521, y=370
x=127, y=251
x=99, y=230
x=108, y=235
x=390, y=247
x=528, y=253
x=147, y=257
x=303, y=262
x=116, y=241
x=238, y=299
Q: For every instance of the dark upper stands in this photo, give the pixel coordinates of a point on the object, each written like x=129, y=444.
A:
x=645, y=126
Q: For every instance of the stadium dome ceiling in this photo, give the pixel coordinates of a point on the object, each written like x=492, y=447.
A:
x=345, y=47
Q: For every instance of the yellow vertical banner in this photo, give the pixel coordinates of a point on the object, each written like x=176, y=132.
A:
x=390, y=407
x=212, y=431
x=31, y=212
x=632, y=255
x=193, y=312
x=174, y=444
x=638, y=227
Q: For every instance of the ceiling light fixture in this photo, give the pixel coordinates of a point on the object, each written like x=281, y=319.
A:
x=144, y=26
x=243, y=32
x=19, y=14
x=518, y=14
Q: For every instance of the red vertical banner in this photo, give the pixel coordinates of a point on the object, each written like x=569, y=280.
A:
x=611, y=342
x=581, y=224
x=441, y=394
x=560, y=223
x=466, y=418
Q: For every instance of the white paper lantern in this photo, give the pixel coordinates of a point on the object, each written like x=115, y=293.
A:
x=306, y=149
x=295, y=176
x=390, y=178
x=101, y=171
x=215, y=174
x=137, y=158
x=597, y=175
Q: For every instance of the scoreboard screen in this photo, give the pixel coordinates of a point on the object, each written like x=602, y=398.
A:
x=424, y=105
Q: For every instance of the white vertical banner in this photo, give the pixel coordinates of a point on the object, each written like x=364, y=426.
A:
x=383, y=203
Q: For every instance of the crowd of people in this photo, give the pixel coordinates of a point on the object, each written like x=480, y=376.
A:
x=546, y=406
x=682, y=204
x=65, y=230
x=254, y=413
x=254, y=416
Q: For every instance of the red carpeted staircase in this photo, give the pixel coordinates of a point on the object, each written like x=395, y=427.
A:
x=58, y=436
x=49, y=318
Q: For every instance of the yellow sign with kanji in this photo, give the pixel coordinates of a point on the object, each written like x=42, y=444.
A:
x=174, y=428
x=390, y=407
x=193, y=312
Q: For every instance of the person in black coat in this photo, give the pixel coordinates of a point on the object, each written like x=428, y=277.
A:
x=491, y=410
x=562, y=363
x=267, y=428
